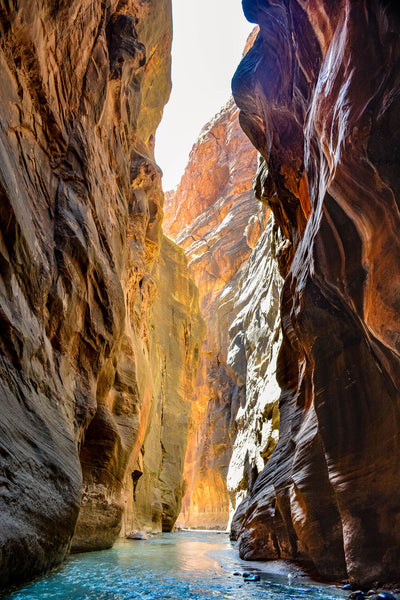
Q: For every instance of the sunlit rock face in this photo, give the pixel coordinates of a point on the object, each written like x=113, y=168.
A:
x=153, y=482
x=83, y=85
x=255, y=335
x=319, y=98
x=214, y=216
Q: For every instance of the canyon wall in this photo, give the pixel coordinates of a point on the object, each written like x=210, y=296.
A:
x=153, y=484
x=214, y=216
x=319, y=98
x=83, y=85
x=255, y=339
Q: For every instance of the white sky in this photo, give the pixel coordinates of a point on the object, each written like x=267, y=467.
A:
x=209, y=37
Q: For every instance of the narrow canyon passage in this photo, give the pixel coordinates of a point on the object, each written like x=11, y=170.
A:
x=221, y=355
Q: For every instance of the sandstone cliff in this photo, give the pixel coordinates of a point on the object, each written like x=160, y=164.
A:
x=214, y=216
x=319, y=98
x=83, y=85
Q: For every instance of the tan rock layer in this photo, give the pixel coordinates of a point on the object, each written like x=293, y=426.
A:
x=83, y=84
x=318, y=94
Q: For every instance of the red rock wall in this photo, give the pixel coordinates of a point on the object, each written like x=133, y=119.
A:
x=214, y=216
x=83, y=85
x=319, y=98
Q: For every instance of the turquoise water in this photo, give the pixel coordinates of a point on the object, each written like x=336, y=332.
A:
x=179, y=566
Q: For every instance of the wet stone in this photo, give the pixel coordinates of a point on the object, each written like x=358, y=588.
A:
x=252, y=578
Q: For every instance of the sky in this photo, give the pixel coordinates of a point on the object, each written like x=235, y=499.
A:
x=209, y=37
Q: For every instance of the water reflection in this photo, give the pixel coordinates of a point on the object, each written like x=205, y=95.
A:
x=196, y=555
x=181, y=566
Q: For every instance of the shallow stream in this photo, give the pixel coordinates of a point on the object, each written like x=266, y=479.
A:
x=179, y=566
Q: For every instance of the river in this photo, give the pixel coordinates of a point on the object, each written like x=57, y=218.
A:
x=179, y=566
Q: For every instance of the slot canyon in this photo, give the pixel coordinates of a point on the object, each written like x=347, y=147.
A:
x=222, y=355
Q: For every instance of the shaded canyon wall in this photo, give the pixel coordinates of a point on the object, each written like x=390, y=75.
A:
x=83, y=85
x=319, y=98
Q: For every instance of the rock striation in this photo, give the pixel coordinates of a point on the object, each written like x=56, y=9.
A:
x=214, y=216
x=319, y=98
x=83, y=85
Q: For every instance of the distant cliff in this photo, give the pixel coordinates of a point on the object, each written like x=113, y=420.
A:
x=83, y=85
x=214, y=216
x=319, y=98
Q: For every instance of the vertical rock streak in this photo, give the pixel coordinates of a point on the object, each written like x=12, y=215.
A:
x=318, y=97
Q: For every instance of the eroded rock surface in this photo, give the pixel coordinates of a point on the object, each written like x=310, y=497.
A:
x=319, y=98
x=214, y=216
x=83, y=85
x=255, y=339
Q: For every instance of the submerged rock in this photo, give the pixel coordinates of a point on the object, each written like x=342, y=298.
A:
x=137, y=535
x=357, y=595
x=248, y=577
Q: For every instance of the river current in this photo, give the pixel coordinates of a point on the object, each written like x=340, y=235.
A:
x=178, y=566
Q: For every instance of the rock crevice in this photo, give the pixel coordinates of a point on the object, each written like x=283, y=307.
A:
x=214, y=216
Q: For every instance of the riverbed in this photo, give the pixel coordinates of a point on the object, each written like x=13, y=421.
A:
x=179, y=566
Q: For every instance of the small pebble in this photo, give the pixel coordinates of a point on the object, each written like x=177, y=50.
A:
x=237, y=574
x=246, y=574
x=386, y=596
x=346, y=587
